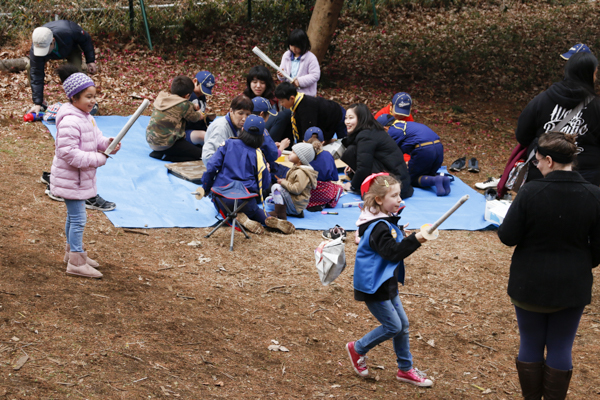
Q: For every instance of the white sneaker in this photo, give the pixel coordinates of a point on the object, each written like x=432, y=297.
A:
x=489, y=183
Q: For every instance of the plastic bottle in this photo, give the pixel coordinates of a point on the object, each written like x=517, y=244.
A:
x=30, y=117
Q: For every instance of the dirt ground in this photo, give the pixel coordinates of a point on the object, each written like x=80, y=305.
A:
x=170, y=320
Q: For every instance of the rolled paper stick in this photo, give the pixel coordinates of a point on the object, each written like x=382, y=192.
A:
x=125, y=129
x=266, y=59
x=448, y=213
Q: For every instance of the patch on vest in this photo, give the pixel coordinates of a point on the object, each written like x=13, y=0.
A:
x=393, y=232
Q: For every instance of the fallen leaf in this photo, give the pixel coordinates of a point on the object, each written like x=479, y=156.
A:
x=20, y=362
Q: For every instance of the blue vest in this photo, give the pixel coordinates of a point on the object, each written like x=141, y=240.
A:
x=324, y=164
x=408, y=134
x=370, y=269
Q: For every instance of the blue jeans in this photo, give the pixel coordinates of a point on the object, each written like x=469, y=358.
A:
x=76, y=219
x=394, y=324
x=553, y=332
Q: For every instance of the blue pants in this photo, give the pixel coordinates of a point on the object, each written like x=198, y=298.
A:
x=394, y=325
x=554, y=332
x=76, y=220
x=425, y=161
x=251, y=209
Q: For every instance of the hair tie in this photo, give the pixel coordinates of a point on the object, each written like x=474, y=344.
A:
x=387, y=185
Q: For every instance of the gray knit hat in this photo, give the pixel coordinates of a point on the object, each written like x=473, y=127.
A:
x=305, y=152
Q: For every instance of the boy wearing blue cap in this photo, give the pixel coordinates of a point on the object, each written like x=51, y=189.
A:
x=327, y=193
x=203, y=86
x=271, y=149
x=240, y=159
x=400, y=107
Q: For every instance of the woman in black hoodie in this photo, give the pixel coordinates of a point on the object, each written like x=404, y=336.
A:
x=371, y=150
x=548, y=108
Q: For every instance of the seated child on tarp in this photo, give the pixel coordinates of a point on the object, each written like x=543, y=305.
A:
x=204, y=82
x=327, y=193
x=271, y=149
x=165, y=133
x=291, y=195
x=240, y=159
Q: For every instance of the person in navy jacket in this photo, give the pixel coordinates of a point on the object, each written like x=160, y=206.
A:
x=57, y=40
x=426, y=154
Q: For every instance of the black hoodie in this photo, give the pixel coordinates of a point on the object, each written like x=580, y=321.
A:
x=548, y=108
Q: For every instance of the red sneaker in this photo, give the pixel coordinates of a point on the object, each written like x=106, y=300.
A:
x=359, y=362
x=415, y=377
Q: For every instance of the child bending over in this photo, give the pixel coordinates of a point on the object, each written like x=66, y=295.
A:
x=165, y=133
x=377, y=270
x=203, y=86
x=291, y=195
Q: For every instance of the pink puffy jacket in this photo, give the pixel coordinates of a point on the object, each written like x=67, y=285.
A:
x=76, y=158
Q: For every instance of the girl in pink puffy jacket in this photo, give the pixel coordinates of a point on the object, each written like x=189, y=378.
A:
x=79, y=147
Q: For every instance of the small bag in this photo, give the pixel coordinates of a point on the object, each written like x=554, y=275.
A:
x=518, y=174
x=330, y=258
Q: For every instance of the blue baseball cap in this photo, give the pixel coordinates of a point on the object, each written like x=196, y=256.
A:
x=386, y=119
x=314, y=131
x=254, y=125
x=401, y=104
x=206, y=80
x=578, y=48
x=261, y=105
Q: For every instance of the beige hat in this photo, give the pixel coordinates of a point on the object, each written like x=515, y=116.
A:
x=42, y=39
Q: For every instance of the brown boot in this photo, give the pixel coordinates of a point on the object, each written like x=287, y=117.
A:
x=280, y=212
x=531, y=376
x=281, y=225
x=78, y=266
x=251, y=225
x=556, y=383
x=89, y=261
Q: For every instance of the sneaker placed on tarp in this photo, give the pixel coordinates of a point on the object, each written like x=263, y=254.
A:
x=53, y=197
x=415, y=377
x=473, y=165
x=45, y=177
x=334, y=233
x=98, y=203
x=459, y=164
x=358, y=362
x=490, y=182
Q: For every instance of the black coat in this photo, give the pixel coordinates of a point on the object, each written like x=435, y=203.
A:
x=555, y=224
x=548, y=108
x=320, y=112
x=68, y=36
x=370, y=152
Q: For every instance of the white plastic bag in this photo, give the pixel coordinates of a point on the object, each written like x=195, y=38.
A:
x=330, y=258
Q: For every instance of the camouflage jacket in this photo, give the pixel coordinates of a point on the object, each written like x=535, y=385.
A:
x=167, y=123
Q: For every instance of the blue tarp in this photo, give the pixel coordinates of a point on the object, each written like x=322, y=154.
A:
x=147, y=196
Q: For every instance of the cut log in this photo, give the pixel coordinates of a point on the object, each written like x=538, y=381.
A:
x=14, y=65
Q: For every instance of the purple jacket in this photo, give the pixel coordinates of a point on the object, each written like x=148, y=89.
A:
x=308, y=73
x=76, y=158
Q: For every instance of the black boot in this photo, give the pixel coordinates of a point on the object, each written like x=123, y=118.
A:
x=556, y=383
x=531, y=375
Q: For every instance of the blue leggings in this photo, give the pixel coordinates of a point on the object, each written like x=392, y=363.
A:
x=554, y=332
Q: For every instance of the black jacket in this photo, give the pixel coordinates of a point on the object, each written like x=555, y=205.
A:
x=371, y=152
x=555, y=224
x=384, y=244
x=548, y=108
x=320, y=112
x=68, y=36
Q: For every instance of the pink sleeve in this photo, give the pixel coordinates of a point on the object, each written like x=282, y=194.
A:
x=102, y=141
x=314, y=71
x=285, y=64
x=67, y=147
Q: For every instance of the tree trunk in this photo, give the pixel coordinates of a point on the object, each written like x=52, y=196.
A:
x=322, y=25
x=14, y=65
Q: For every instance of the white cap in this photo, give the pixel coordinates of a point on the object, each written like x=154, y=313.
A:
x=42, y=38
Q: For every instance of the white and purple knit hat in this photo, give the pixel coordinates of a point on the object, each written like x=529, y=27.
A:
x=76, y=83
